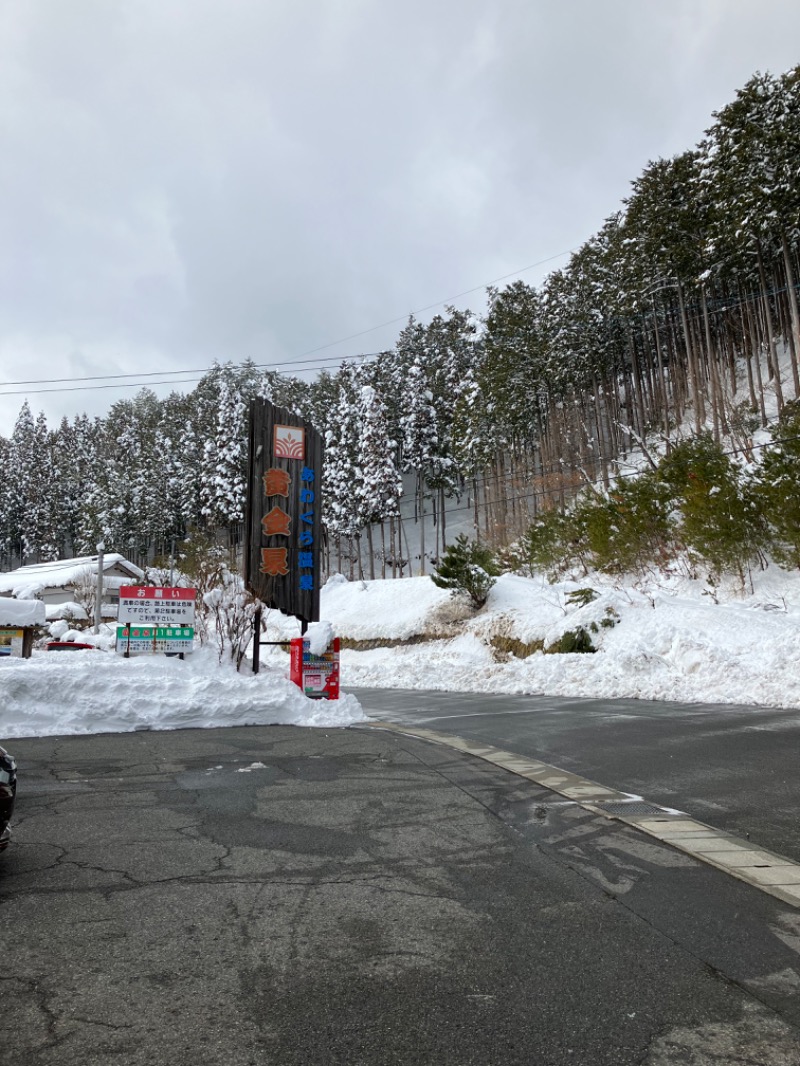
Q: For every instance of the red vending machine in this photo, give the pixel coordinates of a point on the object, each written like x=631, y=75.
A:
x=316, y=675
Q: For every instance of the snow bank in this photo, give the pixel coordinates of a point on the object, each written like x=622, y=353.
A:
x=78, y=692
x=669, y=638
x=374, y=610
x=666, y=639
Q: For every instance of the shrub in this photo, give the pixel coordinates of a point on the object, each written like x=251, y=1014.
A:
x=467, y=567
x=84, y=593
x=573, y=642
x=554, y=541
x=777, y=487
x=232, y=609
x=720, y=521
x=202, y=567
x=697, y=501
x=629, y=530
x=225, y=610
x=581, y=597
x=520, y=649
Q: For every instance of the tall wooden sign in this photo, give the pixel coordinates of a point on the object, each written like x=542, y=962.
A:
x=283, y=529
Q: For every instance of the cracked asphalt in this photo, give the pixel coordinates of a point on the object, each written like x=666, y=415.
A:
x=274, y=895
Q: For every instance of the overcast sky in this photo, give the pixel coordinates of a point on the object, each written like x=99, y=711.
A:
x=190, y=180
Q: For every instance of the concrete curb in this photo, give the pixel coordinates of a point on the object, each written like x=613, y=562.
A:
x=771, y=873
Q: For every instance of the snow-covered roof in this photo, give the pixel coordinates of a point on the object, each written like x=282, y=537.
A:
x=27, y=582
x=21, y=612
x=57, y=611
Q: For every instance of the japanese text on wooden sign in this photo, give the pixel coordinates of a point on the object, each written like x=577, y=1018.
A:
x=283, y=527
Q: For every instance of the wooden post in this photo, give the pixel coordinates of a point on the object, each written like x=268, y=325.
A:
x=257, y=640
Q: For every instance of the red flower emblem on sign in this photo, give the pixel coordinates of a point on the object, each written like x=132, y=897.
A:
x=290, y=442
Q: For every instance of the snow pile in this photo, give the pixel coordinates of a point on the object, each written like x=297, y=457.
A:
x=319, y=636
x=75, y=692
x=666, y=639
x=669, y=638
x=374, y=610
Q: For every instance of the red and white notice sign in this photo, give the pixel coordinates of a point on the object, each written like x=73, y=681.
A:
x=146, y=605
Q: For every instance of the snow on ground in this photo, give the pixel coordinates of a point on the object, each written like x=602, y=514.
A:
x=370, y=610
x=669, y=639
x=71, y=692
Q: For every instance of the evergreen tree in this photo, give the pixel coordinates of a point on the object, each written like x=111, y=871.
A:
x=43, y=500
x=224, y=484
x=342, y=512
x=191, y=477
x=720, y=523
x=450, y=344
x=380, y=485
x=6, y=532
x=467, y=568
x=514, y=376
x=628, y=530
x=23, y=486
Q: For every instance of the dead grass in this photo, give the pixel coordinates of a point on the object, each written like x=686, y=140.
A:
x=387, y=642
x=505, y=646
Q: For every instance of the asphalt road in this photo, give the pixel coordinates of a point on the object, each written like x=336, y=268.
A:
x=286, y=896
x=736, y=768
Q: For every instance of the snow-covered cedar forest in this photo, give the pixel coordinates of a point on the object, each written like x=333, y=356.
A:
x=678, y=318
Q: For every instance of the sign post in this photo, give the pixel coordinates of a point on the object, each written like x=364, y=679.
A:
x=283, y=526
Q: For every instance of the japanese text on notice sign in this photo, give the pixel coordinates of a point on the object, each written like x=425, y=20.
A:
x=142, y=605
x=137, y=640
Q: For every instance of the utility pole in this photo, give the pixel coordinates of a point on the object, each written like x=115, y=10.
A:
x=99, y=596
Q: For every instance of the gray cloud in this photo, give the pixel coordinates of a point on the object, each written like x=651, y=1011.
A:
x=184, y=180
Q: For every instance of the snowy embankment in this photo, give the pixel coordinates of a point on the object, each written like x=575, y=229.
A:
x=665, y=639
x=59, y=693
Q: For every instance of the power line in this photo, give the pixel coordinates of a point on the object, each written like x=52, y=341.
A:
x=192, y=370
x=291, y=362
x=441, y=303
x=170, y=381
x=571, y=469
x=196, y=374
x=118, y=380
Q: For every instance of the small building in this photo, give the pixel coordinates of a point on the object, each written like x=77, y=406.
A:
x=18, y=622
x=63, y=581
